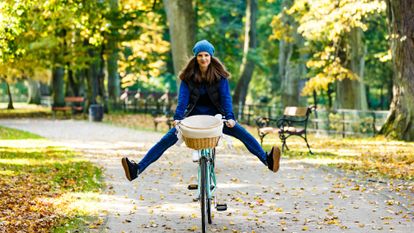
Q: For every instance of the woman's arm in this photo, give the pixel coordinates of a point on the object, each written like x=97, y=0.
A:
x=225, y=98
x=183, y=98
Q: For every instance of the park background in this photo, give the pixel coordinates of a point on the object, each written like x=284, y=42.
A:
x=351, y=59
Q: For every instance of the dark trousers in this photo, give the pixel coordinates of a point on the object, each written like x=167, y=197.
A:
x=170, y=138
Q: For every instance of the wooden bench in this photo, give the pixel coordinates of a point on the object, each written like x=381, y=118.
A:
x=74, y=104
x=293, y=123
x=163, y=119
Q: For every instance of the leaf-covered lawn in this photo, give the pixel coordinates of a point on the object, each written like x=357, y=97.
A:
x=374, y=157
x=38, y=181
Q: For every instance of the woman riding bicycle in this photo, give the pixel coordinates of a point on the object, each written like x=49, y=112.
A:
x=204, y=90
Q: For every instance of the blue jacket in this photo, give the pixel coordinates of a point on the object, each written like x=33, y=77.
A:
x=204, y=105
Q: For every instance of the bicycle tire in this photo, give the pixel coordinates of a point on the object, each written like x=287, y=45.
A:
x=213, y=151
x=203, y=193
x=209, y=211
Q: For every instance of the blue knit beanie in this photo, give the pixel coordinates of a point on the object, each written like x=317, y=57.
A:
x=203, y=46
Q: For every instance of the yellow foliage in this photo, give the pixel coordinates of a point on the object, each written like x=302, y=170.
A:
x=42, y=74
x=209, y=20
x=327, y=22
x=329, y=74
x=148, y=51
x=133, y=5
x=280, y=29
x=384, y=56
x=8, y=72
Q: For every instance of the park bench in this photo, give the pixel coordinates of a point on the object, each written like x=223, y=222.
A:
x=162, y=117
x=165, y=115
x=293, y=123
x=74, y=104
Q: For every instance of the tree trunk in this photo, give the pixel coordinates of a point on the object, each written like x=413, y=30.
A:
x=389, y=96
x=181, y=19
x=315, y=99
x=346, y=94
x=291, y=71
x=285, y=53
x=289, y=85
x=247, y=66
x=364, y=88
x=114, y=90
x=357, y=58
x=10, y=104
x=58, y=93
x=73, y=85
x=351, y=94
x=80, y=77
x=92, y=77
x=329, y=92
x=293, y=79
x=101, y=79
x=399, y=123
x=33, y=87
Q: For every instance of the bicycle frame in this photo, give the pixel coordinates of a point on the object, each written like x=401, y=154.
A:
x=211, y=176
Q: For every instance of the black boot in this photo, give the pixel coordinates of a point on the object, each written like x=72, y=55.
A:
x=273, y=159
x=130, y=168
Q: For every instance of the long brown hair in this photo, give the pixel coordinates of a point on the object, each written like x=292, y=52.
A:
x=215, y=71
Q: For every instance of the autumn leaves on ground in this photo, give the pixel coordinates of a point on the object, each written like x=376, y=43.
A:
x=40, y=182
x=37, y=184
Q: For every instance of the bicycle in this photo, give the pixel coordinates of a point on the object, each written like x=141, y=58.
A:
x=207, y=184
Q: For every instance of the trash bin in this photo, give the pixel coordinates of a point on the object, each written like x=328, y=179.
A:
x=96, y=112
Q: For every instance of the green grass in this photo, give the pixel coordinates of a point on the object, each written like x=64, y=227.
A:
x=32, y=171
x=13, y=134
x=75, y=224
x=24, y=110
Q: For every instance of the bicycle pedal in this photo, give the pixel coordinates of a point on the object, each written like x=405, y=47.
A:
x=192, y=186
x=221, y=207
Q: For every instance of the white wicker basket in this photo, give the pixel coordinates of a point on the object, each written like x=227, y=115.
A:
x=201, y=131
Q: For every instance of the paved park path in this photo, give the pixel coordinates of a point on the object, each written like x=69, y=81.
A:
x=299, y=198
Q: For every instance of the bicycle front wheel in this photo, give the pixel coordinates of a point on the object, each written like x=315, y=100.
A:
x=204, y=200
x=213, y=151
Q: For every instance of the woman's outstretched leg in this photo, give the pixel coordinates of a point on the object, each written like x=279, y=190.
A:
x=270, y=159
x=132, y=169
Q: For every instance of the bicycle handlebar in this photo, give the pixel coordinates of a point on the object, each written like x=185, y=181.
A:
x=222, y=120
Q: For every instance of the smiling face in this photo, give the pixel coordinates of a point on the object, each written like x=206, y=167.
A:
x=203, y=60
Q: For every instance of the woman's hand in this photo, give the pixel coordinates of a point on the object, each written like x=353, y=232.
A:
x=230, y=123
x=176, y=122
